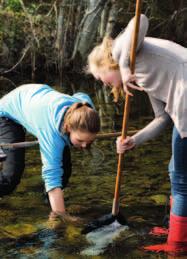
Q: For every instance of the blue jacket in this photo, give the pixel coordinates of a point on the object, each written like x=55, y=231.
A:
x=40, y=109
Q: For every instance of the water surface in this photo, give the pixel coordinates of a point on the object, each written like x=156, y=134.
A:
x=25, y=231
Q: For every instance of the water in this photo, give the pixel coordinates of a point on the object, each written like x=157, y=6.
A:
x=25, y=231
x=101, y=238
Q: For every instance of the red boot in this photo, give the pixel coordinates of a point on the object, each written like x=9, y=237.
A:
x=161, y=231
x=177, y=238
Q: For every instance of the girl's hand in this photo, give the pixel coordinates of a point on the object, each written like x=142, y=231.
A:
x=129, y=81
x=58, y=220
x=125, y=144
x=64, y=217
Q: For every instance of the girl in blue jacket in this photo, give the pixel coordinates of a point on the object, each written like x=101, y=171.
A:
x=57, y=120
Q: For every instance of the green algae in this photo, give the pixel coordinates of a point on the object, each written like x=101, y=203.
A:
x=18, y=230
x=159, y=199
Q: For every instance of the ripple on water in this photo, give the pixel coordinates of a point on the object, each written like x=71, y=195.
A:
x=101, y=238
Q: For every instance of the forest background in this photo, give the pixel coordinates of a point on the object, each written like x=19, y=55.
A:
x=39, y=37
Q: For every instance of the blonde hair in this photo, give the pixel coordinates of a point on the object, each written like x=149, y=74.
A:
x=81, y=116
x=101, y=57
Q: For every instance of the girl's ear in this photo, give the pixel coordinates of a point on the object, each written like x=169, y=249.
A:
x=66, y=128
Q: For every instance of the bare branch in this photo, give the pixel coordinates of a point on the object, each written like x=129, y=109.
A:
x=31, y=23
x=53, y=7
x=20, y=60
x=2, y=78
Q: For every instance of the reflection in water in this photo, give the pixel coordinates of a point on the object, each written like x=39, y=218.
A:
x=45, y=239
x=101, y=238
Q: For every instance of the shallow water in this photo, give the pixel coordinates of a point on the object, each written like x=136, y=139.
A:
x=26, y=232
x=101, y=238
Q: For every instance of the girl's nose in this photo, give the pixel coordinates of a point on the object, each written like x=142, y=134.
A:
x=84, y=145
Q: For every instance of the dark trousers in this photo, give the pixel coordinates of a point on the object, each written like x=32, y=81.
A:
x=12, y=168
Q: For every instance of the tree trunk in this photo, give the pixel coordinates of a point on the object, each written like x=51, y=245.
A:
x=59, y=40
x=64, y=30
x=104, y=20
x=88, y=28
x=112, y=20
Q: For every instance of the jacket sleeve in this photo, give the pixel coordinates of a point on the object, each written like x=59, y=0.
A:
x=122, y=43
x=156, y=126
x=52, y=164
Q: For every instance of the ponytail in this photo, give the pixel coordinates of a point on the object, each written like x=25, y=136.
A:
x=81, y=116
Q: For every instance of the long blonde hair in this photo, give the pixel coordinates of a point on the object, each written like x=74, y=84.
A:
x=81, y=116
x=101, y=57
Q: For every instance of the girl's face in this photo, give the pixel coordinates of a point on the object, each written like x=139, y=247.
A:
x=109, y=77
x=81, y=139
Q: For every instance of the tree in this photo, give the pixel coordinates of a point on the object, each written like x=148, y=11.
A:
x=88, y=28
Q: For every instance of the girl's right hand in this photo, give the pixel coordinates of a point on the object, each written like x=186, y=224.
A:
x=64, y=217
x=125, y=144
x=129, y=81
x=58, y=220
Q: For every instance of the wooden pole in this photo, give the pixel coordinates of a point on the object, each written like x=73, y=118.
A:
x=115, y=207
x=26, y=144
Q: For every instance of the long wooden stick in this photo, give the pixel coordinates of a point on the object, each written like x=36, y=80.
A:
x=25, y=144
x=7, y=146
x=109, y=135
x=115, y=207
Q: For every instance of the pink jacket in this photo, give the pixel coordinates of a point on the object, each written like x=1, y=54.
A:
x=161, y=68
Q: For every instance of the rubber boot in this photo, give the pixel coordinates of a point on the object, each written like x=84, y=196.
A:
x=177, y=238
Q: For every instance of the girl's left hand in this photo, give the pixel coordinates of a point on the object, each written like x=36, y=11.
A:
x=125, y=144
